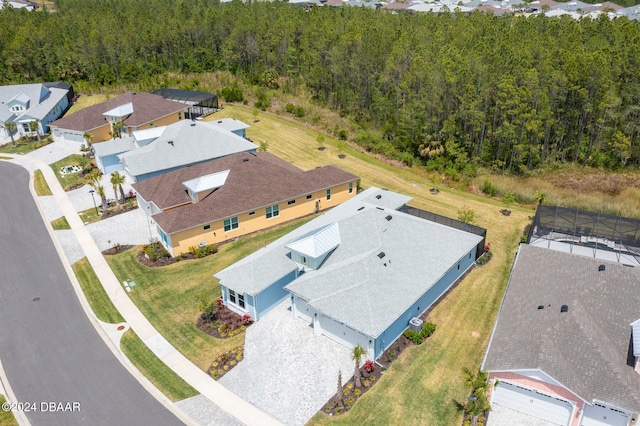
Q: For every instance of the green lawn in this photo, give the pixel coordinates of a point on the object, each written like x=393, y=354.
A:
x=71, y=180
x=22, y=146
x=86, y=101
x=154, y=369
x=95, y=294
x=60, y=224
x=169, y=296
x=40, y=184
x=6, y=417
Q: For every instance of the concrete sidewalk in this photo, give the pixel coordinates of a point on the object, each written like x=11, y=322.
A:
x=198, y=379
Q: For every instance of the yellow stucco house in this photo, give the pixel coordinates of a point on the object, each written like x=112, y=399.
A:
x=237, y=195
x=132, y=111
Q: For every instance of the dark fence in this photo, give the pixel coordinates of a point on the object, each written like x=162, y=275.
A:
x=597, y=230
x=452, y=223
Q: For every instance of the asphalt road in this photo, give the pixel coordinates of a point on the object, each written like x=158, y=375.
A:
x=49, y=350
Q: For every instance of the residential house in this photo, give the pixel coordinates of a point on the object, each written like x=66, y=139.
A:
x=236, y=195
x=27, y=104
x=566, y=342
x=199, y=104
x=158, y=150
x=358, y=274
x=19, y=4
x=117, y=117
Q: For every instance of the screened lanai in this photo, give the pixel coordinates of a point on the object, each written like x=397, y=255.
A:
x=200, y=104
x=599, y=235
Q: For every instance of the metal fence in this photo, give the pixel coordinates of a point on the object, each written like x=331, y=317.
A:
x=615, y=235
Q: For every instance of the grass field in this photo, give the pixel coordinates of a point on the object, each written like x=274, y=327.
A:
x=40, y=184
x=60, y=223
x=70, y=180
x=169, y=296
x=86, y=101
x=154, y=369
x=22, y=146
x=95, y=294
x=6, y=417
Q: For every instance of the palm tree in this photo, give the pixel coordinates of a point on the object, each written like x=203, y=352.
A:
x=35, y=126
x=11, y=127
x=88, y=137
x=117, y=127
x=479, y=385
x=93, y=179
x=103, y=197
x=120, y=179
x=358, y=352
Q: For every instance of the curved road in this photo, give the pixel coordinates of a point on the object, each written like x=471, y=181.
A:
x=49, y=350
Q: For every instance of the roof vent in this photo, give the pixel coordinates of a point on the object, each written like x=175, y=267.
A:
x=219, y=121
x=564, y=308
x=601, y=268
x=379, y=208
x=540, y=307
x=244, y=160
x=193, y=124
x=361, y=208
x=170, y=143
x=389, y=217
x=378, y=196
x=381, y=254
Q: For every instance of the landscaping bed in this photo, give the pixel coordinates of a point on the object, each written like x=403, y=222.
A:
x=155, y=255
x=221, y=322
x=349, y=393
x=225, y=362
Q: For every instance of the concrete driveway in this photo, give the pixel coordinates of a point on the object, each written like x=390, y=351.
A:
x=288, y=372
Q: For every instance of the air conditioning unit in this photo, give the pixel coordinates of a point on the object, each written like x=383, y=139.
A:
x=202, y=244
x=415, y=324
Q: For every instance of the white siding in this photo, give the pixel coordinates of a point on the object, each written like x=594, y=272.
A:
x=536, y=404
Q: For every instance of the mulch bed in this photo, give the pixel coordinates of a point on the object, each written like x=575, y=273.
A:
x=347, y=396
x=126, y=207
x=394, y=351
x=225, y=362
x=116, y=249
x=225, y=323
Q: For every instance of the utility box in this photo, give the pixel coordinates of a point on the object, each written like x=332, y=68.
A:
x=415, y=324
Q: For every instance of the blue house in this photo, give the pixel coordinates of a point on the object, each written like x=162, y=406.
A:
x=358, y=274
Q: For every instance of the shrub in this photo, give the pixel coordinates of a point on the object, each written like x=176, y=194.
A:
x=219, y=303
x=246, y=319
x=418, y=337
x=193, y=250
x=366, y=383
x=342, y=135
x=414, y=336
x=427, y=329
x=299, y=112
x=232, y=94
x=369, y=366
x=357, y=392
x=488, y=188
x=290, y=108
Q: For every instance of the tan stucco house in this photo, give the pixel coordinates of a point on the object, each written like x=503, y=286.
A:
x=237, y=195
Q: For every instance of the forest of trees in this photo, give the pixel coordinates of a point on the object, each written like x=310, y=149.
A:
x=452, y=90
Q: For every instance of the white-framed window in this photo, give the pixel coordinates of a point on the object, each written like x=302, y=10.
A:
x=163, y=237
x=273, y=211
x=310, y=196
x=231, y=224
x=232, y=296
x=328, y=194
x=291, y=202
x=206, y=227
x=241, y=300
x=252, y=213
x=350, y=187
x=236, y=298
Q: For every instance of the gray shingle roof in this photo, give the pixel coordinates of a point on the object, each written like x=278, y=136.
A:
x=115, y=146
x=586, y=348
x=41, y=100
x=183, y=143
x=354, y=286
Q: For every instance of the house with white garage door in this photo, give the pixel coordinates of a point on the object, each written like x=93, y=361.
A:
x=358, y=274
x=566, y=343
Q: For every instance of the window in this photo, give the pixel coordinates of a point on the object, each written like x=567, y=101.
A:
x=179, y=116
x=206, y=227
x=310, y=196
x=291, y=202
x=252, y=213
x=163, y=237
x=458, y=266
x=232, y=296
x=350, y=187
x=241, y=300
x=230, y=224
x=328, y=194
x=273, y=211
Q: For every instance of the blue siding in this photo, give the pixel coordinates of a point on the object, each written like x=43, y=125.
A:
x=432, y=295
x=250, y=305
x=270, y=297
x=111, y=163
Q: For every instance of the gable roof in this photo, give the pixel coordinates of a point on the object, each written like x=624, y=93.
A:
x=355, y=285
x=146, y=109
x=255, y=180
x=586, y=349
x=41, y=99
x=183, y=143
x=207, y=182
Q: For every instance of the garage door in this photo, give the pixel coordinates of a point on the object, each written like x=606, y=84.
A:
x=302, y=310
x=341, y=333
x=533, y=403
x=603, y=416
